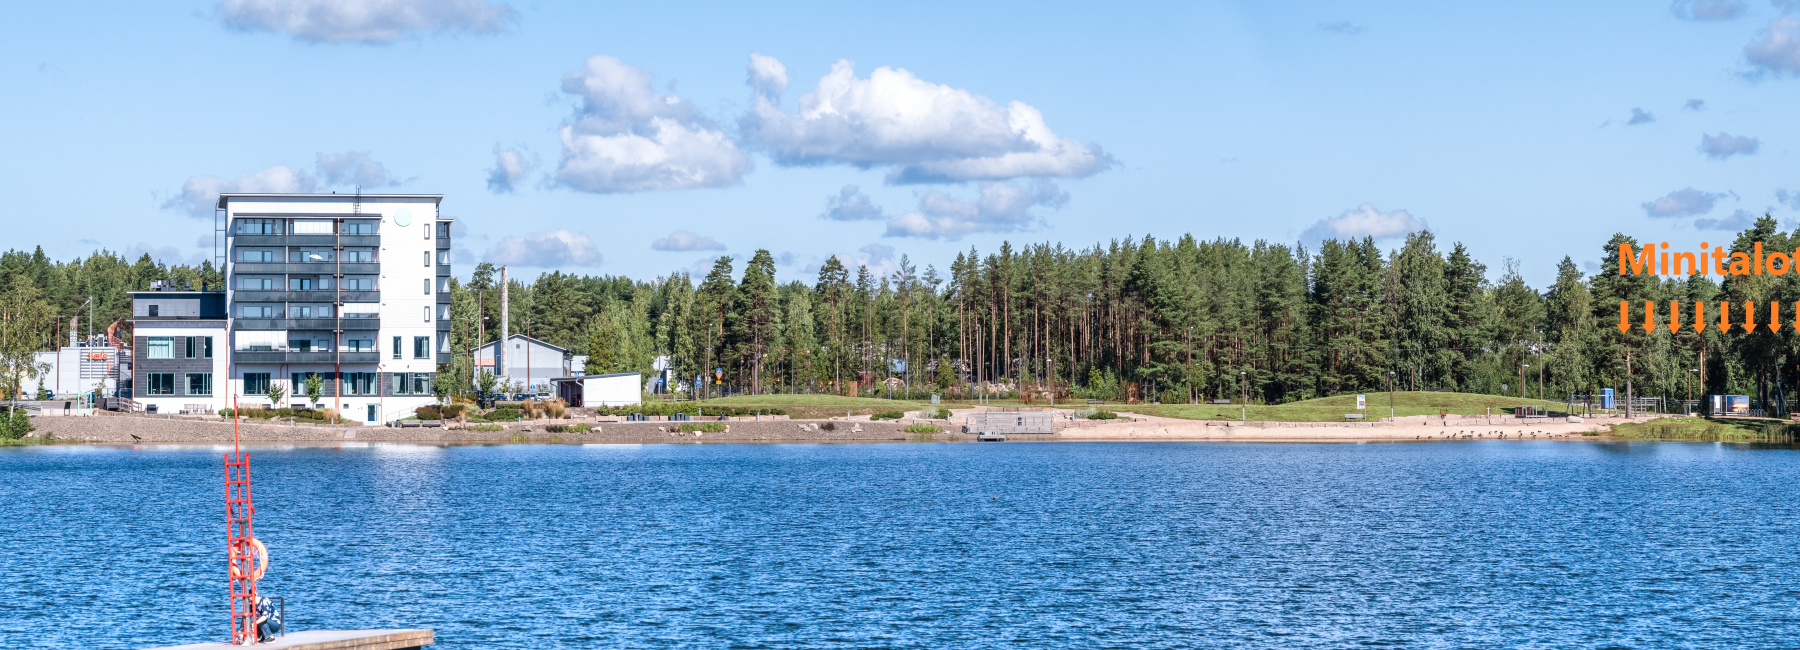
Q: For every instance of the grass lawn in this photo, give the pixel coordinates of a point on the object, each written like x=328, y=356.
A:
x=1332, y=409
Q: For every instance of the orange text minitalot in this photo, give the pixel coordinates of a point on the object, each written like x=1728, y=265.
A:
x=1714, y=261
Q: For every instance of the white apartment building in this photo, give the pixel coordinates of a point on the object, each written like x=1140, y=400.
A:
x=351, y=288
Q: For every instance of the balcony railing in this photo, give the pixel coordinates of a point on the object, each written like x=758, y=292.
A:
x=292, y=357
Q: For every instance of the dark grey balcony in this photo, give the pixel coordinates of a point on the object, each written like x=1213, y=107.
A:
x=317, y=295
x=314, y=324
x=443, y=243
x=306, y=268
x=443, y=270
x=443, y=325
x=289, y=357
x=323, y=241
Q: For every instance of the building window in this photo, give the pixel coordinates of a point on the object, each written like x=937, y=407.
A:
x=421, y=383
x=443, y=311
x=256, y=383
x=299, y=383
x=258, y=283
x=360, y=345
x=161, y=347
x=443, y=257
x=397, y=385
x=396, y=347
x=199, y=383
x=187, y=347
x=205, y=347
x=360, y=226
x=155, y=310
x=259, y=226
x=359, y=283
x=421, y=347
x=443, y=229
x=427, y=286
x=311, y=255
x=359, y=383
x=444, y=284
x=310, y=311
x=359, y=255
x=428, y=313
x=427, y=258
x=427, y=228
x=161, y=383
x=259, y=311
x=257, y=255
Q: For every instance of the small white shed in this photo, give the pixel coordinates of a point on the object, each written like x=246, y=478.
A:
x=615, y=389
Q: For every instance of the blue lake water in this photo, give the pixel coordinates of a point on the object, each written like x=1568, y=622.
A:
x=1141, y=545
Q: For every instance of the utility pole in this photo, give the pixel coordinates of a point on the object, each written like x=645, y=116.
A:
x=1690, y=399
x=1522, y=368
x=1244, y=412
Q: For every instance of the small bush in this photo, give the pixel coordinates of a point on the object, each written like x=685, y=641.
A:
x=285, y=412
x=924, y=428
x=452, y=411
x=328, y=416
x=487, y=427
x=705, y=427
x=506, y=413
x=226, y=413
x=828, y=426
x=428, y=413
x=14, y=425
x=568, y=428
x=888, y=415
x=556, y=408
x=939, y=414
x=1103, y=415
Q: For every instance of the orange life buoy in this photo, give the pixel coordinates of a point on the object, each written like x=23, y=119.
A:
x=258, y=557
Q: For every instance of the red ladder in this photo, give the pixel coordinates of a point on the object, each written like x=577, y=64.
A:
x=238, y=534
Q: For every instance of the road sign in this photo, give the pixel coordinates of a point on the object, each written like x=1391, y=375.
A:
x=1362, y=402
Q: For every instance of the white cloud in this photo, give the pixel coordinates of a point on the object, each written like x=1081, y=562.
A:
x=1685, y=202
x=364, y=21
x=627, y=137
x=682, y=240
x=553, y=249
x=1777, y=50
x=1708, y=9
x=1640, y=116
x=510, y=167
x=201, y=193
x=1738, y=220
x=354, y=168
x=768, y=77
x=1363, y=221
x=926, y=132
x=1726, y=145
x=851, y=204
x=1000, y=207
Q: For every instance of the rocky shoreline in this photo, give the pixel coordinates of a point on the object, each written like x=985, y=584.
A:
x=113, y=428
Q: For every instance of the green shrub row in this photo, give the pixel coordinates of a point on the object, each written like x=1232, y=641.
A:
x=705, y=427
x=568, y=428
x=888, y=415
x=924, y=428
x=688, y=408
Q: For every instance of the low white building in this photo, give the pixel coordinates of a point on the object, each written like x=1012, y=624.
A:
x=593, y=391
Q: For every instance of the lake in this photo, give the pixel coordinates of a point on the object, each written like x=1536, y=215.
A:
x=1092, y=545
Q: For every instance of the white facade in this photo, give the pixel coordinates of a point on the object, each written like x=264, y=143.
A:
x=353, y=288
x=591, y=391
x=170, y=378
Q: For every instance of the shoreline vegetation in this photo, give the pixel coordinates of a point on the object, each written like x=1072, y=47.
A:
x=1181, y=321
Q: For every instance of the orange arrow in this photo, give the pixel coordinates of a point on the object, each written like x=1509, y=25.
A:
x=1674, y=316
x=1700, y=318
x=1724, y=317
x=1749, y=317
x=1649, y=317
x=1624, y=317
x=1775, y=317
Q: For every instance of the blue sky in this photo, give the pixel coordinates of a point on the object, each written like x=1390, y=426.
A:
x=639, y=139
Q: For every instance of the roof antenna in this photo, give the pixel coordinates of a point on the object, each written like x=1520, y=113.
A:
x=357, y=208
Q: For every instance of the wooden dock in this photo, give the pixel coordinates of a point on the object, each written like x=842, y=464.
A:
x=329, y=640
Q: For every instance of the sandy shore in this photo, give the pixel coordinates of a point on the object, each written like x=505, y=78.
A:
x=112, y=428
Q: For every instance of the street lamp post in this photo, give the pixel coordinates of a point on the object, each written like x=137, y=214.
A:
x=1690, y=399
x=1522, y=368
